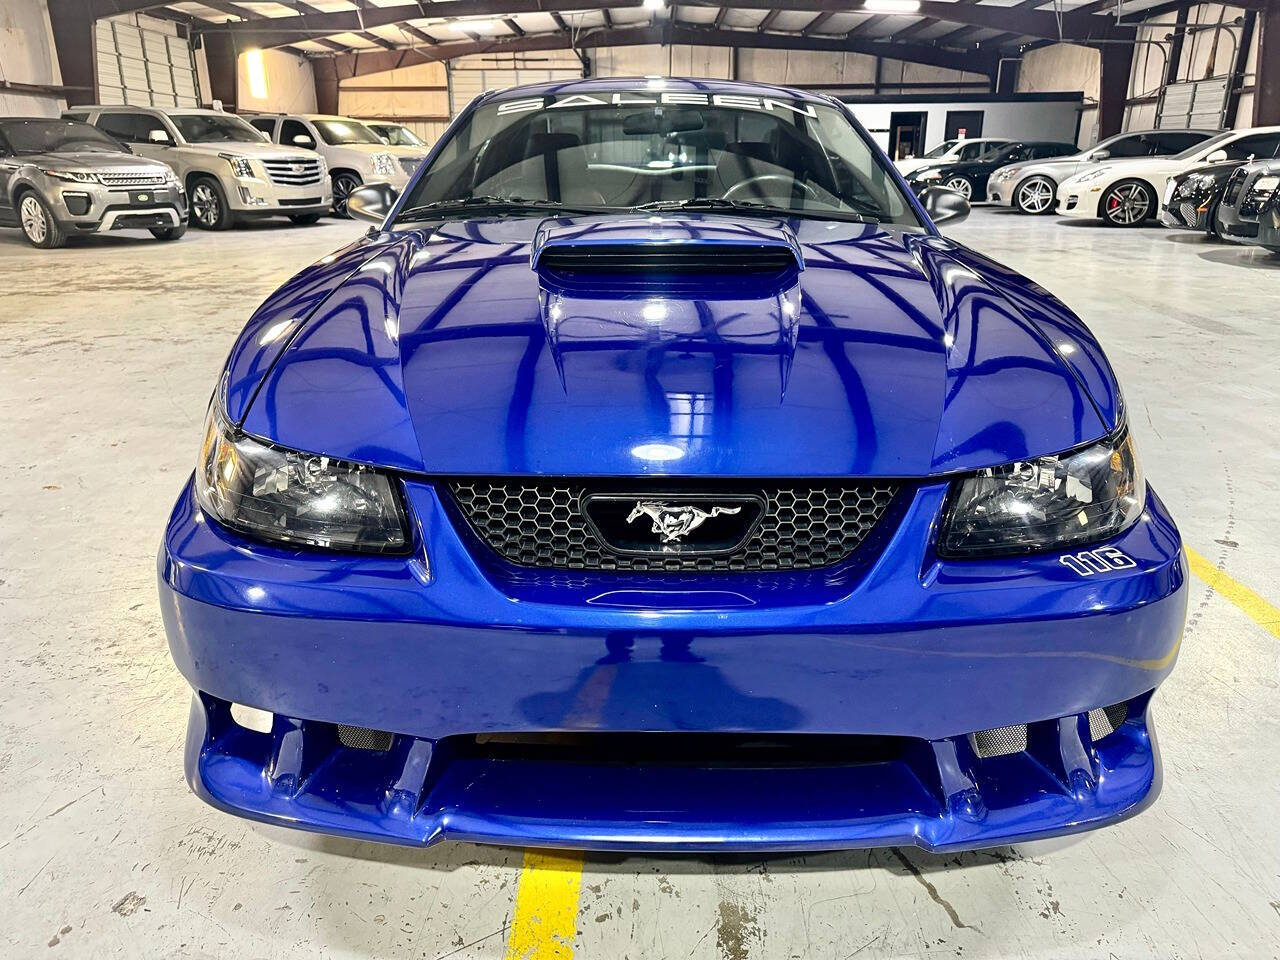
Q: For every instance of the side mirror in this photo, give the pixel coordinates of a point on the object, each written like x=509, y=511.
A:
x=302, y=140
x=158, y=136
x=372, y=202
x=1216, y=157
x=1100, y=155
x=943, y=205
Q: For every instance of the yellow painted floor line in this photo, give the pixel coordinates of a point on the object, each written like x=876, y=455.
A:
x=545, y=923
x=1260, y=611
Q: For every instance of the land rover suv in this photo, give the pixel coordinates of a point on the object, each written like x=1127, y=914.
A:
x=356, y=155
x=61, y=177
x=229, y=172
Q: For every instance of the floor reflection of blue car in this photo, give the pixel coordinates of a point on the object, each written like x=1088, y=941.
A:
x=655, y=476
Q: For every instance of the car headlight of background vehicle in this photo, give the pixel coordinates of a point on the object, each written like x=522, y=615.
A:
x=72, y=176
x=1007, y=173
x=929, y=175
x=1050, y=503
x=1092, y=175
x=384, y=165
x=296, y=498
x=239, y=165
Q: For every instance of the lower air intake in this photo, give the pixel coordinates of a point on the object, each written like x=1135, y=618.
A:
x=362, y=738
x=1104, y=721
x=999, y=741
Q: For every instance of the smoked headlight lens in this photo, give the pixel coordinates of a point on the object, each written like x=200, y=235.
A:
x=297, y=498
x=1046, y=504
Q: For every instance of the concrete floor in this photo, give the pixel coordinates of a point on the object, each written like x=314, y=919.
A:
x=108, y=353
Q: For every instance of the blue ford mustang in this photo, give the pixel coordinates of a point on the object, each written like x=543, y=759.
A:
x=654, y=476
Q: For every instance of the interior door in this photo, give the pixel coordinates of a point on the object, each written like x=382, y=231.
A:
x=964, y=124
x=906, y=135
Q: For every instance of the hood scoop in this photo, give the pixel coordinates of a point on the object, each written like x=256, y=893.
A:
x=679, y=247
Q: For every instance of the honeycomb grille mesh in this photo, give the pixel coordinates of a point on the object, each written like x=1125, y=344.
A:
x=540, y=523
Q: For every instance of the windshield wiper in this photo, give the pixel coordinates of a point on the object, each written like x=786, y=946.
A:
x=429, y=211
x=757, y=208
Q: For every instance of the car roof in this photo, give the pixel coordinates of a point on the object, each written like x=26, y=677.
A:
x=655, y=84
x=140, y=108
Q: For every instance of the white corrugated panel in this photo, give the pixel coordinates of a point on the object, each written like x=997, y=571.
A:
x=1194, y=103
x=136, y=65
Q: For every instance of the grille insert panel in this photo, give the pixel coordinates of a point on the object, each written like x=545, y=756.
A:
x=538, y=522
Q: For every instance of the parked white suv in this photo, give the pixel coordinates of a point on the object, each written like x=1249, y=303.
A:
x=356, y=155
x=229, y=171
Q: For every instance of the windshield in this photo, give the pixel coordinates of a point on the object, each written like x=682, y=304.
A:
x=398, y=136
x=940, y=149
x=214, y=128
x=618, y=151
x=1205, y=146
x=56, y=136
x=998, y=152
x=335, y=132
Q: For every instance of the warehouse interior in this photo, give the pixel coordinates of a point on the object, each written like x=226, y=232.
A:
x=110, y=345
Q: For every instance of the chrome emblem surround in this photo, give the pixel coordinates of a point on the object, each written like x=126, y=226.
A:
x=674, y=521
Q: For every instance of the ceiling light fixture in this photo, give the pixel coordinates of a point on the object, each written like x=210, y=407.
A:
x=655, y=4
x=891, y=6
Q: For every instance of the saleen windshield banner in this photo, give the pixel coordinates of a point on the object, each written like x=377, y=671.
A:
x=732, y=101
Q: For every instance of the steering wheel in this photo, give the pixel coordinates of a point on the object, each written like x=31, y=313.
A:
x=782, y=180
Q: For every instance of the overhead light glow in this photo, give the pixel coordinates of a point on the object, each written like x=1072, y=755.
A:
x=891, y=6
x=257, y=74
x=655, y=4
x=659, y=452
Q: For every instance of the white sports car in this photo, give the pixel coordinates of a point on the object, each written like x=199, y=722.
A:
x=1127, y=193
x=951, y=151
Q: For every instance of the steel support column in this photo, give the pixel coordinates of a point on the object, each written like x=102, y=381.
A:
x=1266, y=87
x=1113, y=86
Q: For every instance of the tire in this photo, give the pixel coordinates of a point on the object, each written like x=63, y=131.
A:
x=961, y=185
x=169, y=233
x=37, y=222
x=305, y=219
x=343, y=184
x=209, y=209
x=1035, y=196
x=1129, y=203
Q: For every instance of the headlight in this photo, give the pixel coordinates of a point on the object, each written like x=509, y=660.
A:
x=239, y=165
x=1046, y=504
x=296, y=498
x=384, y=164
x=1008, y=173
x=1092, y=175
x=1266, y=185
x=73, y=176
x=929, y=175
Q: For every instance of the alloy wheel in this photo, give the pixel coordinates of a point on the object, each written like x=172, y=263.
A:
x=1127, y=204
x=960, y=185
x=342, y=187
x=33, y=222
x=1035, y=195
x=206, y=205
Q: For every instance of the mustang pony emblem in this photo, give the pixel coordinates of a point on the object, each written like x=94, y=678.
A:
x=673, y=521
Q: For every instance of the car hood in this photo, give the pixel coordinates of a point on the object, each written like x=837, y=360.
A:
x=98, y=161
x=252, y=151
x=495, y=347
x=1137, y=167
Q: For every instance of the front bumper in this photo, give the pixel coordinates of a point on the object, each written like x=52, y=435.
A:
x=1080, y=202
x=1001, y=193
x=449, y=644
x=95, y=208
x=261, y=197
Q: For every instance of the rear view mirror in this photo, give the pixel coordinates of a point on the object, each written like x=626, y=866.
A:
x=944, y=205
x=372, y=202
x=1216, y=157
x=1100, y=155
x=665, y=121
x=158, y=136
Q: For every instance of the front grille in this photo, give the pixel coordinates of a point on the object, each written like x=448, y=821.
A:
x=363, y=738
x=294, y=172
x=538, y=522
x=132, y=179
x=409, y=164
x=1190, y=214
x=300, y=202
